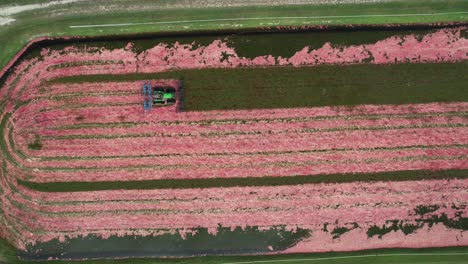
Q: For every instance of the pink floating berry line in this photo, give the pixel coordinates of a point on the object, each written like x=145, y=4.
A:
x=57, y=89
x=135, y=114
x=328, y=189
x=287, y=202
x=273, y=126
x=399, y=188
x=105, y=99
x=359, y=166
x=237, y=165
x=253, y=143
x=300, y=216
x=254, y=158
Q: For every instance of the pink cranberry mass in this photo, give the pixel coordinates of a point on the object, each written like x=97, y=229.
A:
x=85, y=132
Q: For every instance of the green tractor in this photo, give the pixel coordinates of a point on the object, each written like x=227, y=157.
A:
x=163, y=96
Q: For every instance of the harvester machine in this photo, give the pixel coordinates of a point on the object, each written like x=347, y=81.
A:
x=164, y=96
x=157, y=96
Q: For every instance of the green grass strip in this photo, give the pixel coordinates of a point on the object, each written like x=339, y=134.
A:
x=243, y=182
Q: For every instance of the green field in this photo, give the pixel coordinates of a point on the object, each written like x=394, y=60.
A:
x=45, y=22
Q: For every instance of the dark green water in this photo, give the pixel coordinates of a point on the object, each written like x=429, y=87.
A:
x=323, y=85
x=226, y=242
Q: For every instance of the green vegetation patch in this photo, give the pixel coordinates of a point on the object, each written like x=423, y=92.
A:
x=457, y=222
x=324, y=85
x=340, y=230
x=407, y=228
x=36, y=144
x=251, y=181
x=394, y=226
x=425, y=209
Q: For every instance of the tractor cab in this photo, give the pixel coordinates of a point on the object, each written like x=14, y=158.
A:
x=164, y=96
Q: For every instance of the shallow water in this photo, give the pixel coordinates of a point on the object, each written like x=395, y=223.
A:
x=225, y=242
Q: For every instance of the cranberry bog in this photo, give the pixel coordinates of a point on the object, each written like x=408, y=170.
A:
x=292, y=141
